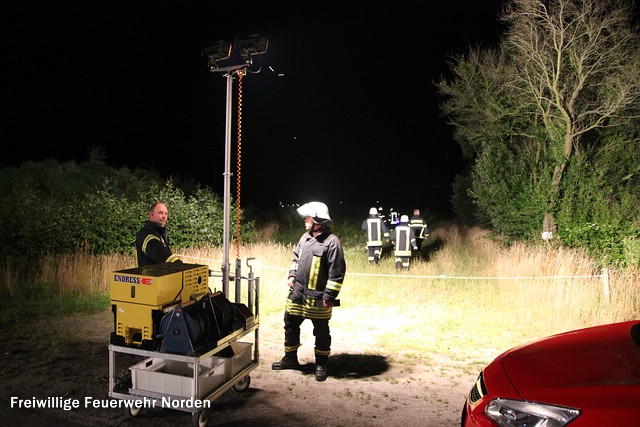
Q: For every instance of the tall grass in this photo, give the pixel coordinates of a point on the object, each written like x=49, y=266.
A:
x=466, y=294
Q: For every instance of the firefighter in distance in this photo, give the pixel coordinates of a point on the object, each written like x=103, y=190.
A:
x=419, y=227
x=376, y=231
x=403, y=241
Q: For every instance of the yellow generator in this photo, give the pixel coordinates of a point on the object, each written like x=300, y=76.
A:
x=141, y=296
x=168, y=308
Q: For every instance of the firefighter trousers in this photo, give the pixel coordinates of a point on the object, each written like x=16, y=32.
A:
x=320, y=331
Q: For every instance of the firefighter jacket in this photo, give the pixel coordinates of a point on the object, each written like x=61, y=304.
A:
x=318, y=269
x=403, y=239
x=375, y=230
x=152, y=245
x=418, y=226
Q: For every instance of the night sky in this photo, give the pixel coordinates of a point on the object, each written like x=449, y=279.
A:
x=344, y=108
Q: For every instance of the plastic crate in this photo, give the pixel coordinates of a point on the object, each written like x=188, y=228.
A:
x=176, y=378
x=241, y=357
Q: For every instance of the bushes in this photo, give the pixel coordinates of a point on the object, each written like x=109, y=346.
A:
x=508, y=193
x=45, y=218
x=601, y=215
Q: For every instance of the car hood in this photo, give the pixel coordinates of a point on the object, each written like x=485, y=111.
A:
x=598, y=365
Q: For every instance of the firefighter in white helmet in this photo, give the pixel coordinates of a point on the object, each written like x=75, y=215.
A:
x=376, y=233
x=403, y=241
x=315, y=279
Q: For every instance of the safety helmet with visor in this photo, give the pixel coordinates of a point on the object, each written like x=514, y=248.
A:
x=318, y=211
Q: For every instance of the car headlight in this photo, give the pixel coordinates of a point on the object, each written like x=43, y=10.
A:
x=519, y=413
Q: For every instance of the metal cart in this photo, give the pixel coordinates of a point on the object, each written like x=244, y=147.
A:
x=200, y=378
x=239, y=377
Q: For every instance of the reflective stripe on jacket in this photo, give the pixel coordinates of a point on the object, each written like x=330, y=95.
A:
x=403, y=240
x=418, y=225
x=375, y=230
x=152, y=245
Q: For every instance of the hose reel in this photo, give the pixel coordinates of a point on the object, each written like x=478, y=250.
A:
x=197, y=325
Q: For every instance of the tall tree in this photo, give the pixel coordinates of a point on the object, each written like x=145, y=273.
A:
x=500, y=139
x=577, y=66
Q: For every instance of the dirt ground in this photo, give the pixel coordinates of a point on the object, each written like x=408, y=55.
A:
x=68, y=358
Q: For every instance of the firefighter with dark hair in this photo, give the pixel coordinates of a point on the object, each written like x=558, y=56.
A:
x=152, y=241
x=403, y=241
x=315, y=279
x=375, y=230
x=419, y=227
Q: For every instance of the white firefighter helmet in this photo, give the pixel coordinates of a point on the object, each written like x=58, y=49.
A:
x=316, y=210
x=404, y=218
x=373, y=211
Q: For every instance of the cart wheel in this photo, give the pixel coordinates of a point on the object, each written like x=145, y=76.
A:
x=132, y=411
x=200, y=418
x=243, y=384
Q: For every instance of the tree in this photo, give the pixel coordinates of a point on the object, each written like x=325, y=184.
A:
x=577, y=68
x=565, y=76
x=498, y=136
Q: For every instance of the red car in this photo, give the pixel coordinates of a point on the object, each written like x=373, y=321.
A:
x=584, y=378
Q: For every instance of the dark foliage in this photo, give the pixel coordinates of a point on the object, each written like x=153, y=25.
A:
x=55, y=208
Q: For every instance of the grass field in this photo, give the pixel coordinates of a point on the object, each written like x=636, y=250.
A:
x=467, y=294
x=471, y=293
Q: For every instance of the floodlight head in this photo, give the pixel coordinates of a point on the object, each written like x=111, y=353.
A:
x=253, y=44
x=220, y=51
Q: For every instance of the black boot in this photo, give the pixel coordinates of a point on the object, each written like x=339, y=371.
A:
x=321, y=367
x=289, y=361
x=321, y=372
